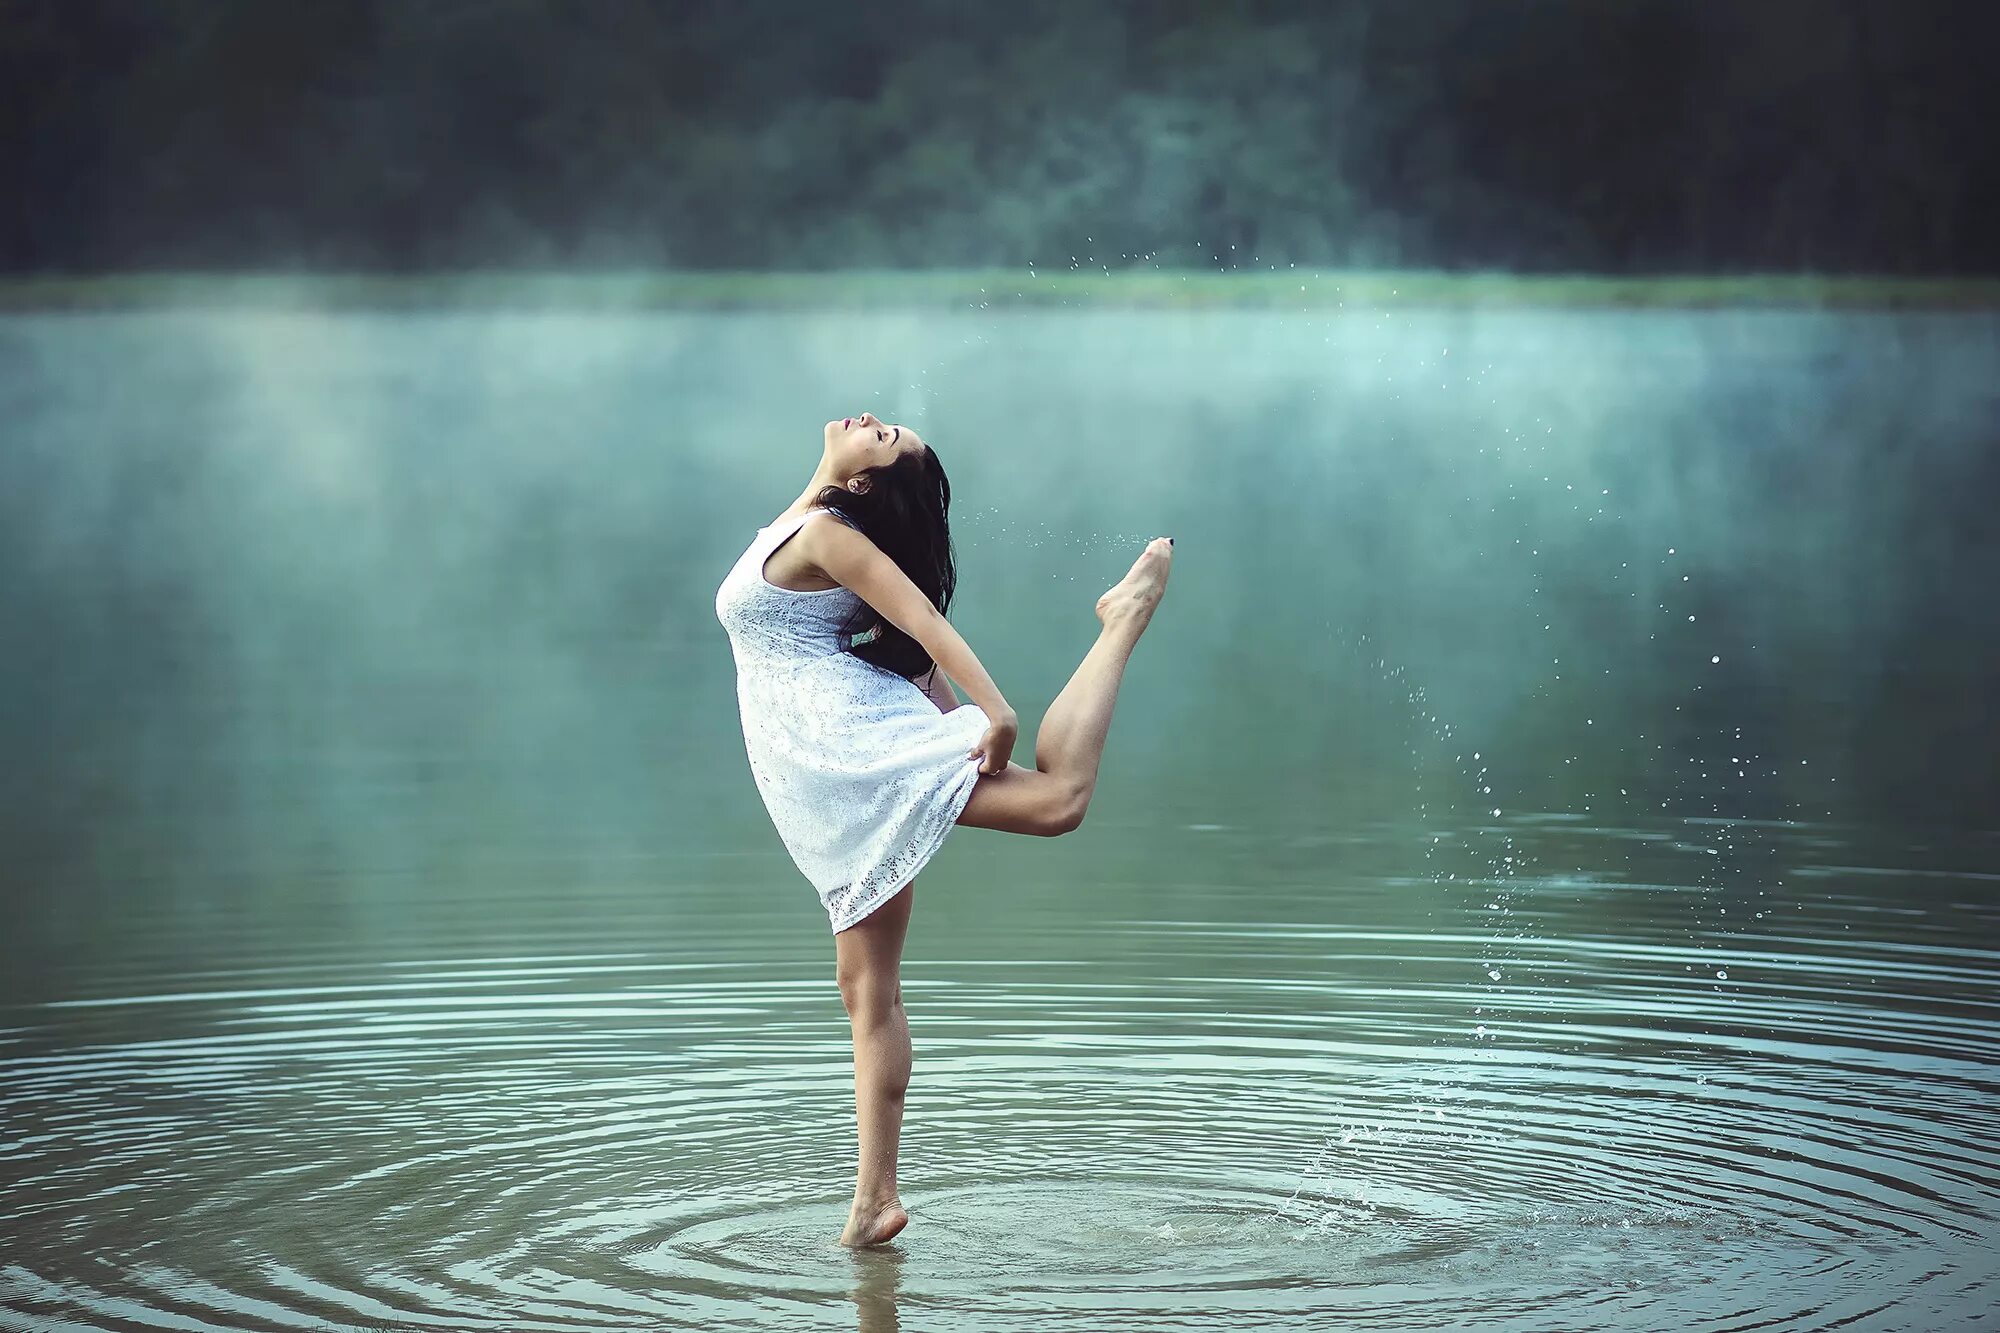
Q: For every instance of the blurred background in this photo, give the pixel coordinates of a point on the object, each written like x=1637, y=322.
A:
x=1533, y=135
x=1544, y=867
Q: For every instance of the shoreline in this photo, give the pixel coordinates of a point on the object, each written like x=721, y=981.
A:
x=1295, y=289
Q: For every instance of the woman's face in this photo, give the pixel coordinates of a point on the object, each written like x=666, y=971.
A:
x=854, y=444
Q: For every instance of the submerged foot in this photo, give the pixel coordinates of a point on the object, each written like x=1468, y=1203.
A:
x=1131, y=600
x=872, y=1224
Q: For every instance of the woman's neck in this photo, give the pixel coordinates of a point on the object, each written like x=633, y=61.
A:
x=821, y=479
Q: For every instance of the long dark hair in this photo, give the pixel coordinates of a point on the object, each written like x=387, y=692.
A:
x=905, y=512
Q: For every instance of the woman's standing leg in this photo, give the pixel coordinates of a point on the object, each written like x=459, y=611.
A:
x=869, y=962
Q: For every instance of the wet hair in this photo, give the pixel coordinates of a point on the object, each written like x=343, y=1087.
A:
x=905, y=513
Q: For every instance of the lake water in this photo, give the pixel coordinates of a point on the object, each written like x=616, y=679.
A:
x=1545, y=872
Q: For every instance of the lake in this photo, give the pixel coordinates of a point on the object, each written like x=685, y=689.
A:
x=1544, y=872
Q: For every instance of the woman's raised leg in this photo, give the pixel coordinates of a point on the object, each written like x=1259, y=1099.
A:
x=869, y=961
x=1051, y=797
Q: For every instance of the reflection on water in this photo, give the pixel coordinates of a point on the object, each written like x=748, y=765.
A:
x=879, y=1273
x=1542, y=874
x=1309, y=1098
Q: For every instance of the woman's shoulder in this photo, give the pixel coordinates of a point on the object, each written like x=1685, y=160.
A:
x=806, y=513
x=835, y=513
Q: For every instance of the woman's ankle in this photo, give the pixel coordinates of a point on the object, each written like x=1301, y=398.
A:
x=872, y=1199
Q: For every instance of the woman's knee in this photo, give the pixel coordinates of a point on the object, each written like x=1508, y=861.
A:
x=1066, y=811
x=866, y=993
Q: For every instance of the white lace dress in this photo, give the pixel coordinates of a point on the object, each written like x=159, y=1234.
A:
x=861, y=773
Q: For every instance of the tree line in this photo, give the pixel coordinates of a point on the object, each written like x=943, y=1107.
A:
x=1616, y=136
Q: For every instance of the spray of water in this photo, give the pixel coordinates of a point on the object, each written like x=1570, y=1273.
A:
x=1473, y=837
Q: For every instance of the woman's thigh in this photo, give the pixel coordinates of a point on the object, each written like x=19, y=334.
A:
x=1023, y=800
x=870, y=952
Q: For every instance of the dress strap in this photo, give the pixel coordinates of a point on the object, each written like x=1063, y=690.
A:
x=820, y=510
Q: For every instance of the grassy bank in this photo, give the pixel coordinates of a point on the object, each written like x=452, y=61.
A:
x=945, y=289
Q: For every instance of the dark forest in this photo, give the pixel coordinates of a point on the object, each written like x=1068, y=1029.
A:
x=1533, y=135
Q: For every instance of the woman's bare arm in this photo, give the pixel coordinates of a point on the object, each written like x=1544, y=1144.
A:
x=938, y=686
x=856, y=563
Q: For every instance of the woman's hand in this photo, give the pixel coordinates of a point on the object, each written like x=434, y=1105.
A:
x=996, y=747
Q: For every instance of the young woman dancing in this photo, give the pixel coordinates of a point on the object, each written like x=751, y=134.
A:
x=863, y=753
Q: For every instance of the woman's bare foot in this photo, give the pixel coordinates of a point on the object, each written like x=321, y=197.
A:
x=871, y=1224
x=1131, y=600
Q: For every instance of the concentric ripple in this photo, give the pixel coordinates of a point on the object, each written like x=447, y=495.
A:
x=1606, y=1099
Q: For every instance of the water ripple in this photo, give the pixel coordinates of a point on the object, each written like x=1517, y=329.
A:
x=1666, y=1124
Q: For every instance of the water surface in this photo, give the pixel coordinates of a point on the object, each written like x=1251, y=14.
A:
x=1543, y=874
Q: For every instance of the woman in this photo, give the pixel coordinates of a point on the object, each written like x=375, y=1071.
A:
x=831, y=612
